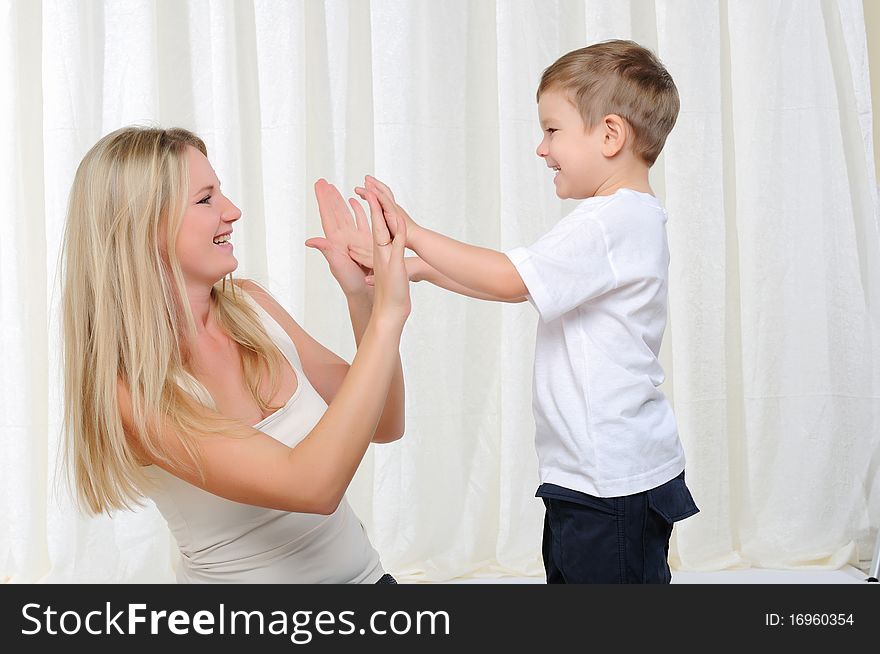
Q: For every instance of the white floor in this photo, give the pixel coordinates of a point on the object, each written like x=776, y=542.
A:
x=847, y=575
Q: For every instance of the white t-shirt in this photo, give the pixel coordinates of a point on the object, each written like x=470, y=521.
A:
x=598, y=280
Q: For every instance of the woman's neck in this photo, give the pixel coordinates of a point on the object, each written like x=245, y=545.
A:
x=199, y=298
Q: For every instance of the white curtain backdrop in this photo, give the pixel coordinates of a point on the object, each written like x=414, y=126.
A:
x=772, y=351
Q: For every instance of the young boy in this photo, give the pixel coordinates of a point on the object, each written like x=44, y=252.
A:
x=611, y=463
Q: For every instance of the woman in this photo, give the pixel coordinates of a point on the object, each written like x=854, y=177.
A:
x=207, y=396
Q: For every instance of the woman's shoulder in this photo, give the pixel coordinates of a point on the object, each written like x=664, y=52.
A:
x=268, y=303
x=255, y=290
x=260, y=294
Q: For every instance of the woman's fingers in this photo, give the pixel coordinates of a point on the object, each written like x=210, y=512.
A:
x=360, y=218
x=340, y=216
x=318, y=243
x=324, y=195
x=389, y=209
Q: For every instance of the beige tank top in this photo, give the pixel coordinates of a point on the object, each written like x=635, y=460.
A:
x=222, y=541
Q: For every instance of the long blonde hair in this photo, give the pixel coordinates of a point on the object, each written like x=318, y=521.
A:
x=126, y=317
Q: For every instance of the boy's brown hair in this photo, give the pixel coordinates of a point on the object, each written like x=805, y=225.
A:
x=623, y=78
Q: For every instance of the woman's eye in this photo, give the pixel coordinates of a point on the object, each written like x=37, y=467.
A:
x=204, y=200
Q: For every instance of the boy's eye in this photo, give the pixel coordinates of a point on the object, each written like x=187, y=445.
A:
x=550, y=130
x=204, y=200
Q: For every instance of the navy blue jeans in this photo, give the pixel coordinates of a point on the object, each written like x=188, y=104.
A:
x=387, y=579
x=611, y=540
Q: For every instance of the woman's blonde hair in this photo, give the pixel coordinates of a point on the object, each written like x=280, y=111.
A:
x=126, y=318
x=623, y=78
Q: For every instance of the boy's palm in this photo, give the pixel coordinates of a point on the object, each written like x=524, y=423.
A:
x=386, y=198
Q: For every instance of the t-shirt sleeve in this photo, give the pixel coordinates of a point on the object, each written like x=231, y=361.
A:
x=566, y=267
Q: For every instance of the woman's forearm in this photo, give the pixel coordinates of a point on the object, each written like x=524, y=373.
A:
x=391, y=422
x=331, y=452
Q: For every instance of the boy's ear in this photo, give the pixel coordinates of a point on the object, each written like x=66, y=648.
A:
x=616, y=133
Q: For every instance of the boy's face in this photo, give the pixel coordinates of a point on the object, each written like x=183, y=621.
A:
x=567, y=147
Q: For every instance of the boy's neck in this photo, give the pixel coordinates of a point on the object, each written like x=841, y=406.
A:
x=632, y=173
x=611, y=190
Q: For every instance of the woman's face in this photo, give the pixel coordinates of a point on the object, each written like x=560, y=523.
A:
x=203, y=246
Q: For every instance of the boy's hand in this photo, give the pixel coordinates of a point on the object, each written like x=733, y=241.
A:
x=389, y=204
x=340, y=232
x=415, y=267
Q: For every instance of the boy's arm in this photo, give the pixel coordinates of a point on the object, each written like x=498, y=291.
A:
x=419, y=269
x=476, y=268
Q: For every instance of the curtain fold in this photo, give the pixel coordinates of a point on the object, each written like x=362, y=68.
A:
x=772, y=351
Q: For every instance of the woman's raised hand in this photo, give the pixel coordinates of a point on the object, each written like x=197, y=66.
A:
x=391, y=299
x=341, y=232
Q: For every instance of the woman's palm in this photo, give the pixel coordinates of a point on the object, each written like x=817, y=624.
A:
x=342, y=231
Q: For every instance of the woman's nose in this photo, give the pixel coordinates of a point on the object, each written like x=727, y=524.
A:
x=232, y=213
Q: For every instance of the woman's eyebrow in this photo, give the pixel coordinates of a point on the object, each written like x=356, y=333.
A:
x=209, y=187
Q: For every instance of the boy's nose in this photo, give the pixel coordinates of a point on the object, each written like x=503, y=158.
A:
x=541, y=150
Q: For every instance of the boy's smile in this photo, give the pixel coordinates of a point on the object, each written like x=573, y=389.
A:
x=569, y=149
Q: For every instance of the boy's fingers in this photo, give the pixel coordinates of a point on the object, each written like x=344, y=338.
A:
x=383, y=194
x=360, y=252
x=381, y=185
x=400, y=239
x=363, y=257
